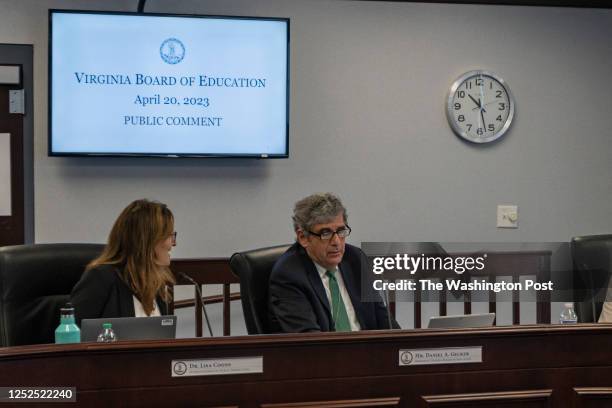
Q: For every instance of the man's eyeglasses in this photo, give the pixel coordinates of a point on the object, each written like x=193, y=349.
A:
x=326, y=235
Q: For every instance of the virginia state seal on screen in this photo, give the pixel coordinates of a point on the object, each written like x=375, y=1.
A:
x=172, y=51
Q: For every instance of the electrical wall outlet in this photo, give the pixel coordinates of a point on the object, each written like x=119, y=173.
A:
x=507, y=216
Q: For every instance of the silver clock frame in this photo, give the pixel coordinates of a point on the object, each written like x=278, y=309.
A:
x=449, y=104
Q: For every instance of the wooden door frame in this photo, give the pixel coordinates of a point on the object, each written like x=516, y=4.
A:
x=22, y=54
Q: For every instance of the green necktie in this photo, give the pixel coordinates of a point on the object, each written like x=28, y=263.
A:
x=338, y=310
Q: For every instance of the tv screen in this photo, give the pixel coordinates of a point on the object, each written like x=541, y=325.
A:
x=126, y=84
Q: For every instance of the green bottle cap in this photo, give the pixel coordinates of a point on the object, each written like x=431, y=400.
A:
x=107, y=325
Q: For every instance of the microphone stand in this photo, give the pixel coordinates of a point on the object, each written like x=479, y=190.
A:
x=199, y=292
x=387, y=306
x=593, y=294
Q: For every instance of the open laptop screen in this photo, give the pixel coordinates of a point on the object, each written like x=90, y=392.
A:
x=131, y=328
x=462, y=321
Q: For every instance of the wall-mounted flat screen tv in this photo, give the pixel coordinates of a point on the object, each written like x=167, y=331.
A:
x=126, y=84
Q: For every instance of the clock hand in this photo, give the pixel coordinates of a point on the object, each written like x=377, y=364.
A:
x=481, y=100
x=475, y=101
x=484, y=125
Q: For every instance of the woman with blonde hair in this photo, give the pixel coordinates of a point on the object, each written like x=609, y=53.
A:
x=132, y=275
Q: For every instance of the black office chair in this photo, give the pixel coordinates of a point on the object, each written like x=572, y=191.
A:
x=253, y=268
x=35, y=282
x=592, y=257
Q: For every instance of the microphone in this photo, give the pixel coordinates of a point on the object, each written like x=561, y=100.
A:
x=199, y=291
x=386, y=290
x=593, y=294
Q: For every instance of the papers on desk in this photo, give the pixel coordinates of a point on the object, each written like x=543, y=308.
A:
x=5, y=174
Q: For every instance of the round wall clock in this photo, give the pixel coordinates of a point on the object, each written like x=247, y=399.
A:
x=480, y=107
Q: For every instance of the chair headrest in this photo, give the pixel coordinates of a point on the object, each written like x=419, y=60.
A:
x=43, y=269
x=253, y=268
x=35, y=281
x=592, y=252
x=261, y=259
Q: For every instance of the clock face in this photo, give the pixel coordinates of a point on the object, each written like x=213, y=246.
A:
x=480, y=107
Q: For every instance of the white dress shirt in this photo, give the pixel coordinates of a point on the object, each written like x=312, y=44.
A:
x=606, y=312
x=348, y=305
x=139, y=310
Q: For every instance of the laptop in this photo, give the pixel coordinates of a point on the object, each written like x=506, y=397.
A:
x=461, y=321
x=131, y=328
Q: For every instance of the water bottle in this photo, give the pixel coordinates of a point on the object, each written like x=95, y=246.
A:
x=107, y=335
x=568, y=315
x=67, y=331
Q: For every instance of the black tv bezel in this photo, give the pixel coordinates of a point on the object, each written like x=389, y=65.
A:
x=51, y=153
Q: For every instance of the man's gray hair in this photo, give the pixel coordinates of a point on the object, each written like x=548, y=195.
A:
x=318, y=208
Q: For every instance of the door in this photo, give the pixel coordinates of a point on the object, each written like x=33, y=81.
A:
x=17, y=225
x=12, y=230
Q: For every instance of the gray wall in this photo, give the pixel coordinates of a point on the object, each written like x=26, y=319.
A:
x=368, y=86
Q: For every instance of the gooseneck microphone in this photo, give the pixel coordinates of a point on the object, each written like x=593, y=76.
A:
x=199, y=291
x=387, y=306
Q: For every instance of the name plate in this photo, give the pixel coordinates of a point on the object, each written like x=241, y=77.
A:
x=447, y=355
x=217, y=366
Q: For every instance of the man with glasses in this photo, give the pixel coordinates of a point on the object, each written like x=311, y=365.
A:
x=316, y=284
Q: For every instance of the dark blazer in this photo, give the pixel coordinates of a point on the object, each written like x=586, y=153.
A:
x=101, y=293
x=297, y=298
